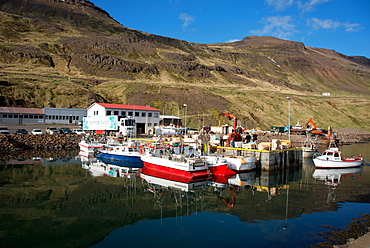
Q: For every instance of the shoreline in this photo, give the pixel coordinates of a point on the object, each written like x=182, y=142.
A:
x=13, y=142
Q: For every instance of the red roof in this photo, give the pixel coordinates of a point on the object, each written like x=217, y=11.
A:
x=124, y=106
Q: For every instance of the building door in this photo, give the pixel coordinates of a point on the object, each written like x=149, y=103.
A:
x=140, y=128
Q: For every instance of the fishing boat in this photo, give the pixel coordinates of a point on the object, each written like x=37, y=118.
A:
x=309, y=148
x=175, y=158
x=241, y=164
x=332, y=158
x=124, y=152
x=90, y=146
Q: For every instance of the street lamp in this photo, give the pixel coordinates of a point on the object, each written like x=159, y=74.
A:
x=288, y=98
x=186, y=108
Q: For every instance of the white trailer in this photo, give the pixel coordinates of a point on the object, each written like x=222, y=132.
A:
x=125, y=126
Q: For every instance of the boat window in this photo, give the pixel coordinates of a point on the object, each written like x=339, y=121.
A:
x=336, y=155
x=330, y=154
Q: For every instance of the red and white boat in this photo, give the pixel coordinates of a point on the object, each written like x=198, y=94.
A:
x=178, y=158
x=175, y=158
x=332, y=159
x=218, y=166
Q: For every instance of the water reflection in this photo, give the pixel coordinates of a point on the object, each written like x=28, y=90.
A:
x=332, y=178
x=60, y=205
x=113, y=168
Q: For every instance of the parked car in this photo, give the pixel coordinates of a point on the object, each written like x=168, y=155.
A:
x=65, y=130
x=52, y=130
x=36, y=132
x=4, y=130
x=21, y=131
x=79, y=131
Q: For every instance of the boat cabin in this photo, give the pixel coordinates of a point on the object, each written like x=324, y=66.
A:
x=332, y=154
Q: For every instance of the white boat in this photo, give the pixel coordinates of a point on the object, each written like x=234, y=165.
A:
x=309, y=148
x=90, y=146
x=241, y=163
x=332, y=158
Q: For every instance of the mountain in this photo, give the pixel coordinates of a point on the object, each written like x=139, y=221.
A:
x=71, y=53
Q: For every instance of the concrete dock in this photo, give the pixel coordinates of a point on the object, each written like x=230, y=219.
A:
x=267, y=160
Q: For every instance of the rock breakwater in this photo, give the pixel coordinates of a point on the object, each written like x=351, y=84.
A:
x=39, y=142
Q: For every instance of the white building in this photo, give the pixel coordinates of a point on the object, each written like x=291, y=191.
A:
x=146, y=117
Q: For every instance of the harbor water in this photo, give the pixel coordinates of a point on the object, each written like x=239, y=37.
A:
x=50, y=199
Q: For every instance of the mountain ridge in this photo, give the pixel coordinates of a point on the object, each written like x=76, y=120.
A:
x=80, y=55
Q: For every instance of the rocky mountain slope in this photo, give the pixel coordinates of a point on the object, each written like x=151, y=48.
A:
x=71, y=53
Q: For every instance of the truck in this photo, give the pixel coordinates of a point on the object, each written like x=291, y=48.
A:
x=125, y=126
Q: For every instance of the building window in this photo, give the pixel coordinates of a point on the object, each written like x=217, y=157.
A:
x=109, y=112
x=40, y=116
x=53, y=117
x=149, y=124
x=116, y=112
x=156, y=115
x=137, y=114
x=10, y=116
x=77, y=118
x=130, y=113
x=143, y=114
x=15, y=116
x=96, y=112
x=155, y=124
x=123, y=113
x=5, y=116
x=149, y=114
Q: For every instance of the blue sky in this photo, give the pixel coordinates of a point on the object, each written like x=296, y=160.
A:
x=340, y=25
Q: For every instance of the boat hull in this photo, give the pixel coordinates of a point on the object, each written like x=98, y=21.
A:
x=90, y=147
x=244, y=164
x=329, y=164
x=308, y=153
x=119, y=157
x=181, y=169
x=168, y=176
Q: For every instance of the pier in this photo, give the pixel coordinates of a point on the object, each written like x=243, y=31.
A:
x=267, y=160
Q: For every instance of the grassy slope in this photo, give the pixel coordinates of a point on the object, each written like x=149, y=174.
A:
x=257, y=97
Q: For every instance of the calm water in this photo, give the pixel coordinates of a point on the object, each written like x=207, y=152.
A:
x=48, y=200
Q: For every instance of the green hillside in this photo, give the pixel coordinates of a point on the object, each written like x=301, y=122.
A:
x=72, y=53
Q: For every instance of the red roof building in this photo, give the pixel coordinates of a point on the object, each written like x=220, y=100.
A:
x=146, y=117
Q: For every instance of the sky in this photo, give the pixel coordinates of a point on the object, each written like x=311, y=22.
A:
x=340, y=25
